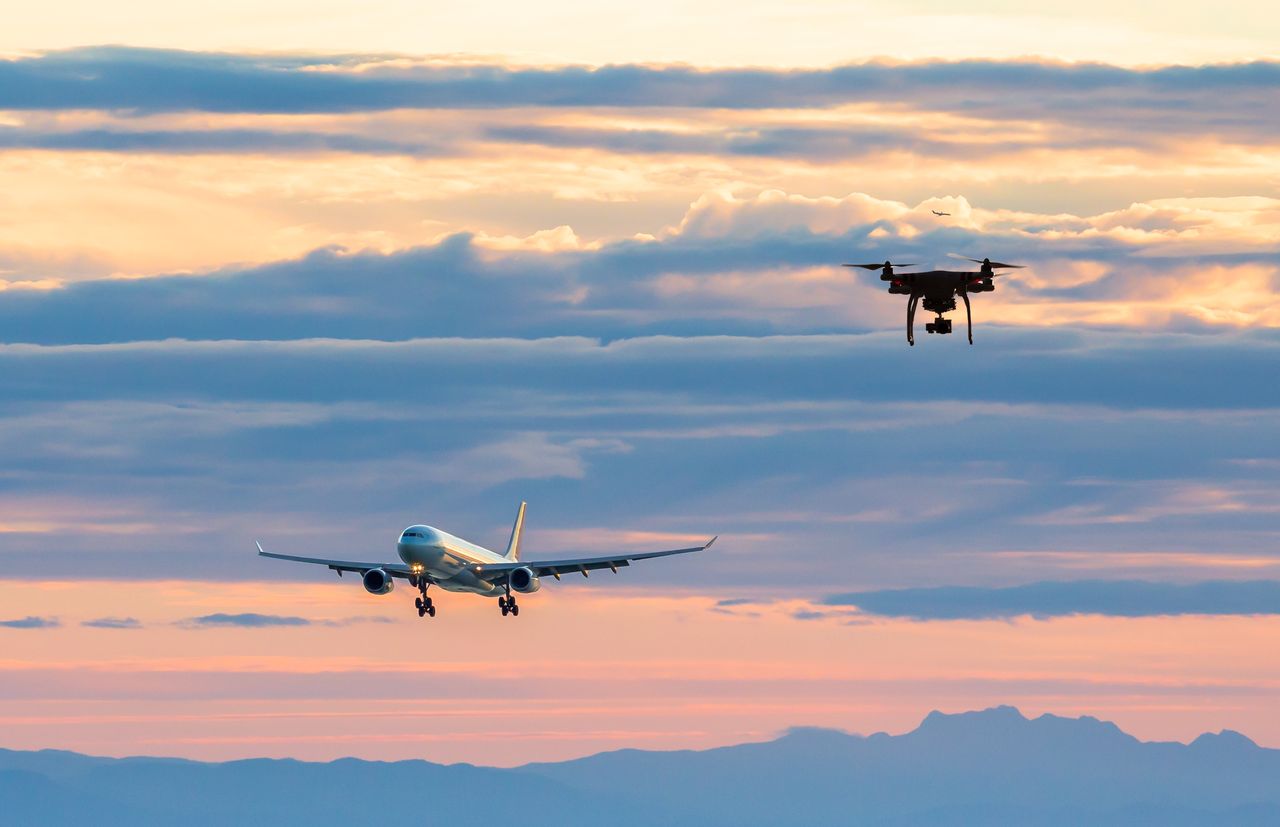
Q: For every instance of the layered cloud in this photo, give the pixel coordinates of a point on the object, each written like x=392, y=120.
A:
x=387, y=152
x=848, y=455
x=262, y=141
x=763, y=264
x=1113, y=598
x=1100, y=120
x=162, y=80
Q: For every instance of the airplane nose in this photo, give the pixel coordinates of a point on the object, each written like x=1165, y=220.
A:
x=422, y=551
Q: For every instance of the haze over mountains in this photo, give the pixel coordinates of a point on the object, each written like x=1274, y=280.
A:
x=989, y=767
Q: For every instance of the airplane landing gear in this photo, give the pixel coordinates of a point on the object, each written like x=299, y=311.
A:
x=508, y=601
x=425, y=604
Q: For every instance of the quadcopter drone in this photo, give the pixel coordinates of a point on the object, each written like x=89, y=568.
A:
x=939, y=289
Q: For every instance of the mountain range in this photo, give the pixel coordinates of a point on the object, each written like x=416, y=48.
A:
x=990, y=767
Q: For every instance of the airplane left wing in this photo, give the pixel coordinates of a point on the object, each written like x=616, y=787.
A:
x=394, y=569
x=578, y=565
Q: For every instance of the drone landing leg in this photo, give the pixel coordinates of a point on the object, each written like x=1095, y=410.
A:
x=968, y=312
x=911, y=318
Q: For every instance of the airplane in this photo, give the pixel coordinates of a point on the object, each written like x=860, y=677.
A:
x=935, y=212
x=431, y=557
x=939, y=289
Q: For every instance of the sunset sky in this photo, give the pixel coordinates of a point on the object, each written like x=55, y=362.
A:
x=312, y=272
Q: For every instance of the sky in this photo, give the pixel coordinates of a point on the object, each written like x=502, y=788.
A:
x=308, y=275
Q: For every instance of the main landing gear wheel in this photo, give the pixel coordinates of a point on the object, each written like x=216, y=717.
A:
x=508, y=606
x=424, y=603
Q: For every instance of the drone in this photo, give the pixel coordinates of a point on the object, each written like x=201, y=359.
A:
x=939, y=289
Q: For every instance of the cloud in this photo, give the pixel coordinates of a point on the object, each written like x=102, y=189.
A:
x=112, y=623
x=520, y=456
x=815, y=144
x=212, y=140
x=245, y=620
x=356, y=619
x=1113, y=598
x=1112, y=502
x=162, y=80
x=174, y=455
x=763, y=264
x=254, y=620
x=31, y=622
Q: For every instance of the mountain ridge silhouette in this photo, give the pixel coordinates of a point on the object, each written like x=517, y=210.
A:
x=993, y=766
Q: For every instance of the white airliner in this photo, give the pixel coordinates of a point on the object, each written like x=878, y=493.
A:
x=433, y=557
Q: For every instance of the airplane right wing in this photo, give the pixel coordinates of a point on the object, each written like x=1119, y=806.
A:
x=578, y=565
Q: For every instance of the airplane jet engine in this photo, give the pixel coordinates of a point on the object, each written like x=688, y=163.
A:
x=524, y=581
x=377, y=581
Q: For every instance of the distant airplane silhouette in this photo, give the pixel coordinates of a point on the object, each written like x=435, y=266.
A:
x=935, y=212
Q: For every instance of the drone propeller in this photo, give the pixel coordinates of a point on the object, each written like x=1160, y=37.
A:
x=877, y=266
x=986, y=262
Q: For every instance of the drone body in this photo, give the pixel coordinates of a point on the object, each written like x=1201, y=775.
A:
x=938, y=289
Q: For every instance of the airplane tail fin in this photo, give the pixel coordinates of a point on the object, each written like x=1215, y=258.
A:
x=517, y=531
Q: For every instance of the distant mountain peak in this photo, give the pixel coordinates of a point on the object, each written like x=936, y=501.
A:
x=1224, y=739
x=812, y=737
x=1003, y=714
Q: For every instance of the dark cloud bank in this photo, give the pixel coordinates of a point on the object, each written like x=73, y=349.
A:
x=118, y=78
x=1113, y=598
x=454, y=288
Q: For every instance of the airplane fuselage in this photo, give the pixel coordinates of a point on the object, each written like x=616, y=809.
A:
x=444, y=559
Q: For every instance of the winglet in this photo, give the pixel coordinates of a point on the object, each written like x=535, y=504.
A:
x=709, y=542
x=259, y=545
